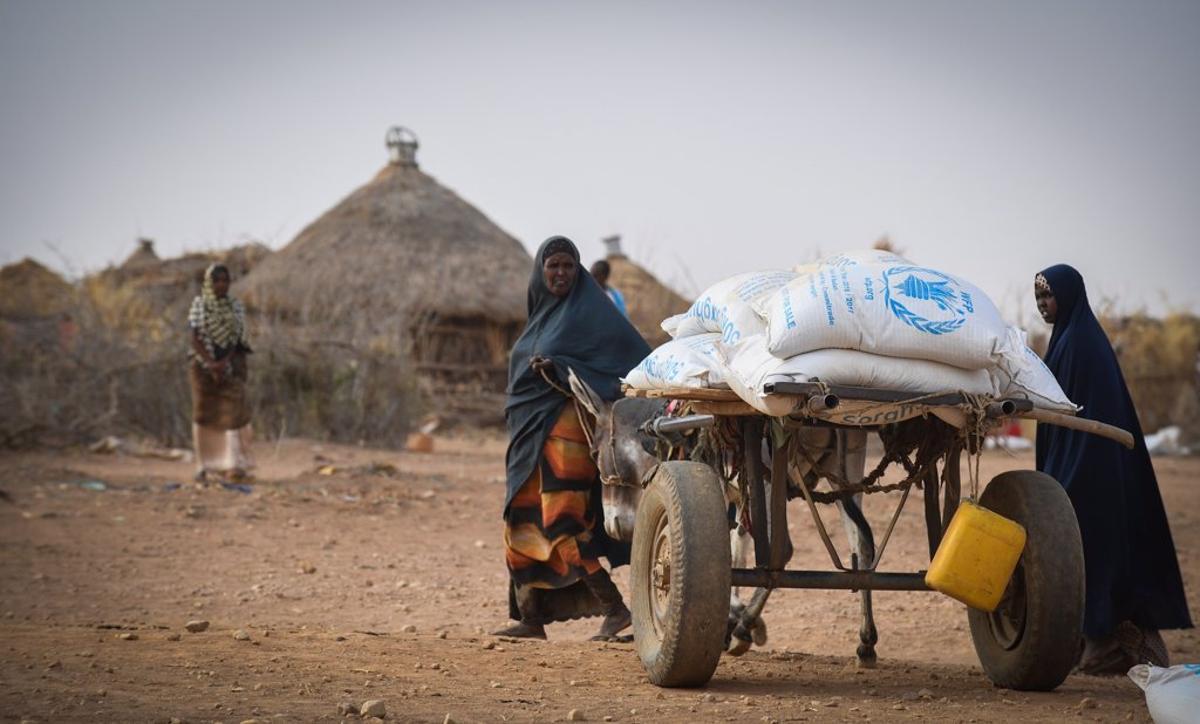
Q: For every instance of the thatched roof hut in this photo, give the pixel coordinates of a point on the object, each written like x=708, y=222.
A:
x=402, y=261
x=30, y=291
x=648, y=300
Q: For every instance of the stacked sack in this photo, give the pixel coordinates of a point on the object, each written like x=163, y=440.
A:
x=866, y=318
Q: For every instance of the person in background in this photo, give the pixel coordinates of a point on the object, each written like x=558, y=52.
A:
x=600, y=272
x=217, y=373
x=1133, y=585
x=553, y=518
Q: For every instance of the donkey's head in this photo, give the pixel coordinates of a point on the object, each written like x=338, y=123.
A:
x=621, y=450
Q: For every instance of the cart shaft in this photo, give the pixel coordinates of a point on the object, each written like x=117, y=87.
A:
x=844, y=581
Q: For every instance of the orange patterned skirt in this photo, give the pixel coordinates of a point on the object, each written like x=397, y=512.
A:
x=548, y=535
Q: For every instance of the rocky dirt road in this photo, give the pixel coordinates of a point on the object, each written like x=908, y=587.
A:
x=343, y=575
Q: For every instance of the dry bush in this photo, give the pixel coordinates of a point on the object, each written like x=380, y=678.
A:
x=340, y=390
x=128, y=376
x=1159, y=359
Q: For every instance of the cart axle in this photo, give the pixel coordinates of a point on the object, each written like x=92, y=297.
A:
x=844, y=581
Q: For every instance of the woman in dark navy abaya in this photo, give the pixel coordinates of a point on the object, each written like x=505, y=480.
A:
x=554, y=520
x=1134, y=589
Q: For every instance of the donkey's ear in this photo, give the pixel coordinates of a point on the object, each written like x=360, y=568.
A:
x=586, y=395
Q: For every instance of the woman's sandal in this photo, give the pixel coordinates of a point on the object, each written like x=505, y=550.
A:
x=614, y=624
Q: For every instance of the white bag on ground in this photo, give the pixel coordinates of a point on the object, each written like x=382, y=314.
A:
x=749, y=366
x=1172, y=695
x=885, y=306
x=690, y=362
x=1020, y=374
x=728, y=307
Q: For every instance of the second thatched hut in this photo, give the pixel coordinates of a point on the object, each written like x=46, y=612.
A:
x=403, y=262
x=647, y=299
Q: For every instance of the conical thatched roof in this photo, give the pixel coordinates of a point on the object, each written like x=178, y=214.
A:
x=400, y=248
x=143, y=256
x=30, y=291
x=648, y=300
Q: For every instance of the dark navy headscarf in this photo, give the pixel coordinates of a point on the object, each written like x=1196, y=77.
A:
x=582, y=331
x=1129, y=558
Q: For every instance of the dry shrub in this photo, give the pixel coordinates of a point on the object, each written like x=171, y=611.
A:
x=1159, y=360
x=332, y=389
x=128, y=376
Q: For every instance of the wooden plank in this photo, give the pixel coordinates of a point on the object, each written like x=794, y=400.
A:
x=1078, y=423
x=729, y=409
x=686, y=394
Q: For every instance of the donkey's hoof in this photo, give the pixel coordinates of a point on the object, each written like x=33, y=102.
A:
x=737, y=647
x=866, y=657
x=758, y=632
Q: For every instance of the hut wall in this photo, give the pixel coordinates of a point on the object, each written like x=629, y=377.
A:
x=457, y=351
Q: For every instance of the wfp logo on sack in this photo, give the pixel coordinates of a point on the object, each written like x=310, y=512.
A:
x=926, y=300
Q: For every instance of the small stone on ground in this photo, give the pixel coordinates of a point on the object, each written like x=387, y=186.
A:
x=373, y=707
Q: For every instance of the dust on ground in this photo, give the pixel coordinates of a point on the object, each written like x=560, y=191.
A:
x=345, y=574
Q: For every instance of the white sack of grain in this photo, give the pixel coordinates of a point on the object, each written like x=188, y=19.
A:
x=728, y=307
x=1020, y=374
x=880, y=303
x=689, y=362
x=749, y=366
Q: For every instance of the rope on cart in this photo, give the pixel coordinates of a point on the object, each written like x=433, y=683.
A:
x=976, y=429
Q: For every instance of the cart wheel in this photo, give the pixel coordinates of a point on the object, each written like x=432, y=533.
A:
x=680, y=575
x=1031, y=641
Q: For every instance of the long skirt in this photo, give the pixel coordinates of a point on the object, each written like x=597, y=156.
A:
x=549, y=533
x=220, y=417
x=218, y=450
x=220, y=404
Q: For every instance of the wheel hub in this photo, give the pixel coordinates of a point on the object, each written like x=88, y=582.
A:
x=1007, y=622
x=660, y=574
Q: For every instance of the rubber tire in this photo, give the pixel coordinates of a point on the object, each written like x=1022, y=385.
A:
x=691, y=497
x=1052, y=572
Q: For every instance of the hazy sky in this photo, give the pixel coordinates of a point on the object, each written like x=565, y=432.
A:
x=989, y=140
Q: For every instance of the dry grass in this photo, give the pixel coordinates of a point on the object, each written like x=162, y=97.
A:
x=115, y=378
x=1159, y=359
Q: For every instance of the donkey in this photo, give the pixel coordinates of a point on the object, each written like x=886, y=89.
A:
x=623, y=455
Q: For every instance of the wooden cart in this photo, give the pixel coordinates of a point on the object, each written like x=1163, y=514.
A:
x=714, y=450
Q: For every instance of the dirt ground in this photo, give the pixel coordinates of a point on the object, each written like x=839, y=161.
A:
x=378, y=582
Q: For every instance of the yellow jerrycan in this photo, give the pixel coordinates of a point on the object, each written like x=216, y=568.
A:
x=977, y=556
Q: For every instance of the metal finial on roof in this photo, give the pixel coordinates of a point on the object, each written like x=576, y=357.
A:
x=612, y=245
x=402, y=146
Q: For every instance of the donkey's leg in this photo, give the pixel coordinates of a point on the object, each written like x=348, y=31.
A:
x=739, y=549
x=746, y=625
x=750, y=627
x=868, y=636
x=852, y=449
